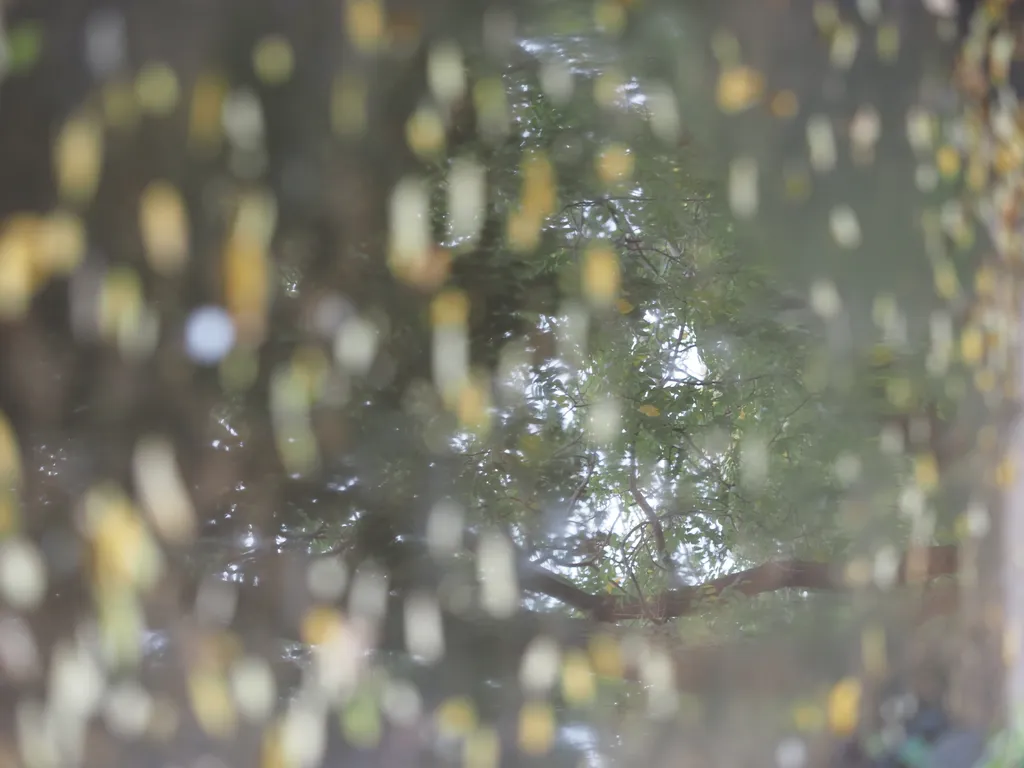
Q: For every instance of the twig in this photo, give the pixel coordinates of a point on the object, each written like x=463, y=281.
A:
x=652, y=518
x=574, y=499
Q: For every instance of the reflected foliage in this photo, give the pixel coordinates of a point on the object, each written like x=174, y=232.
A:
x=485, y=383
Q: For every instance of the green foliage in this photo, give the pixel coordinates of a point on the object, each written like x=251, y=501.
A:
x=736, y=446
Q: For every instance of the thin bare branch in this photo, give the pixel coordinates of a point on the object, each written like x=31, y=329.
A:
x=652, y=517
x=919, y=565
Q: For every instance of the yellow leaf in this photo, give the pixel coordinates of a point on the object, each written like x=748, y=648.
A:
x=205, y=110
x=739, y=88
x=948, y=161
x=212, y=704
x=272, y=755
x=450, y=308
x=601, y=274
x=539, y=186
x=10, y=454
x=273, y=59
x=124, y=554
x=62, y=244
x=615, y=164
x=649, y=410
x=456, y=717
x=1005, y=473
x=872, y=650
x=610, y=16
x=163, y=222
x=972, y=345
x=926, y=472
x=473, y=406
x=624, y=307
x=605, y=654
x=844, y=706
x=78, y=158
x=578, y=686
x=157, y=89
x=361, y=722
x=536, y=728
x=424, y=132
x=808, y=718
x=947, y=284
x=482, y=749
x=524, y=230
x=365, y=23
x=321, y=624
x=246, y=283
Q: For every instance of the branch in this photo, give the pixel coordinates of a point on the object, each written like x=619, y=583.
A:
x=916, y=566
x=280, y=605
x=652, y=518
x=277, y=609
x=578, y=493
x=768, y=664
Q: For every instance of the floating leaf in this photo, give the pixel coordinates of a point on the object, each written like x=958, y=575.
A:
x=926, y=472
x=578, y=685
x=23, y=573
x=456, y=717
x=601, y=274
x=972, y=345
x=610, y=16
x=164, y=226
x=121, y=304
x=365, y=23
x=272, y=754
x=605, y=652
x=649, y=410
x=808, y=718
x=273, y=59
x=78, y=158
x=446, y=72
x=450, y=308
x=424, y=132
x=120, y=105
x=615, y=164
x=246, y=285
x=348, y=105
x=492, y=108
x=523, y=230
x=1004, y=473
x=10, y=455
x=473, y=407
x=361, y=722
x=212, y=703
x=205, y=127
x=539, y=187
x=24, y=44
x=844, y=706
x=162, y=490
x=321, y=625
x=62, y=244
x=739, y=88
x=536, y=728
x=157, y=89
x=19, y=260
x=124, y=554
x=482, y=749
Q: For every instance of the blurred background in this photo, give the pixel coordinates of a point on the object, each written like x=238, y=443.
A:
x=478, y=382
